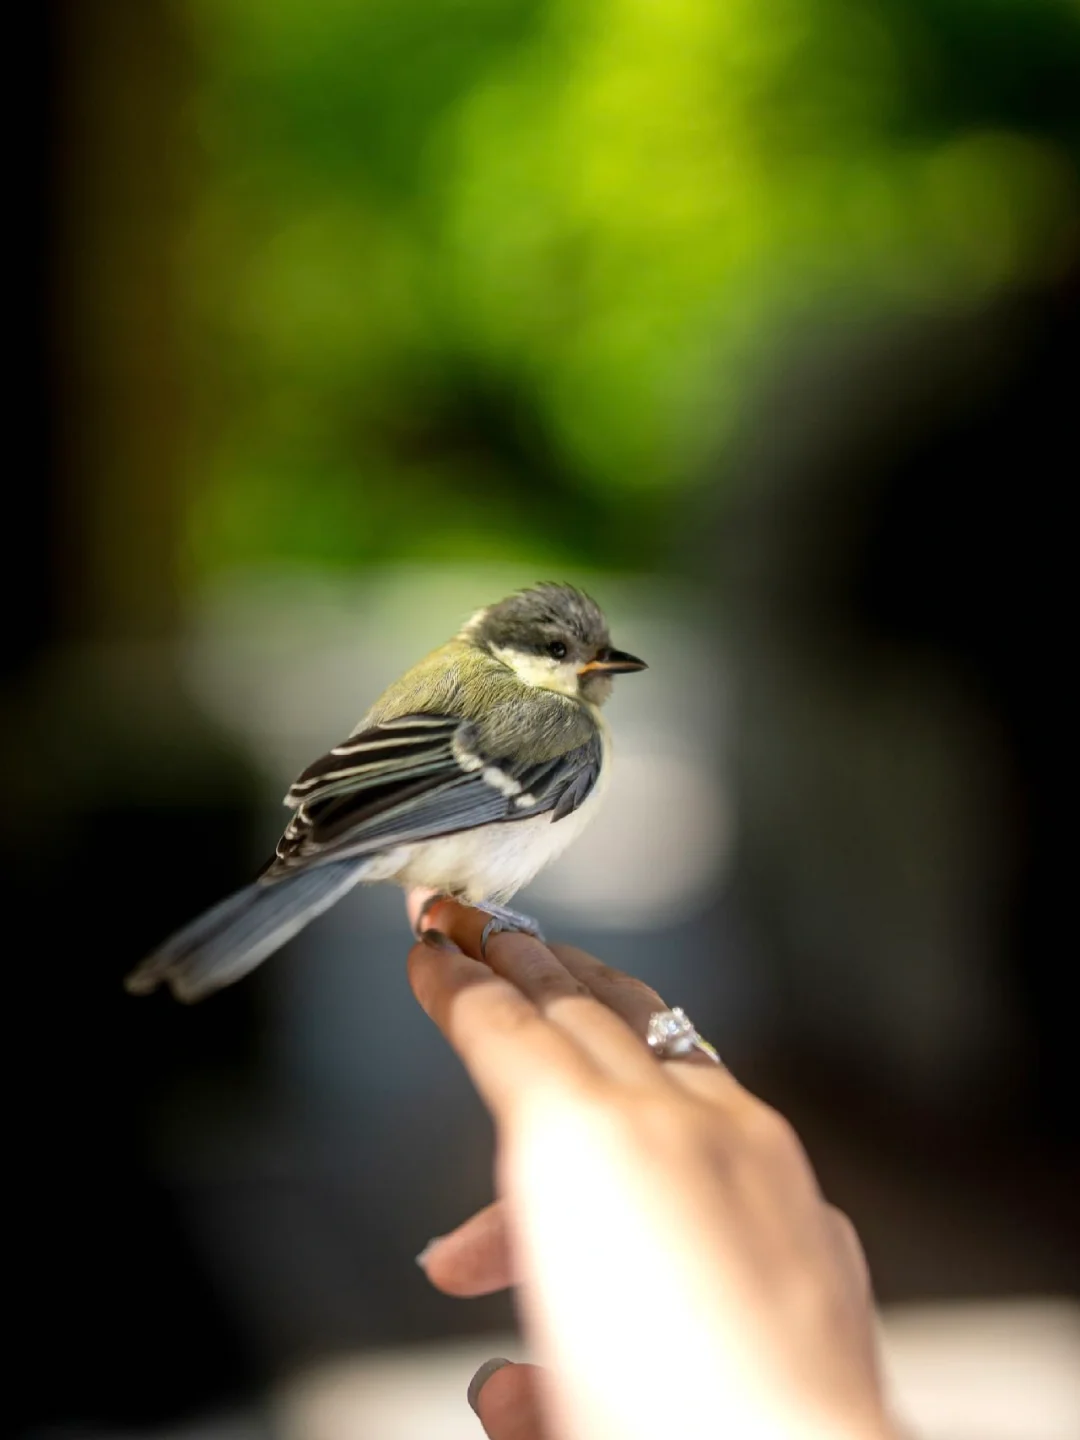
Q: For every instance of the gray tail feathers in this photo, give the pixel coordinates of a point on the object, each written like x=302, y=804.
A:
x=229, y=940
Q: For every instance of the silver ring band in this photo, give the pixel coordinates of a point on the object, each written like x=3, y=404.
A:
x=671, y=1036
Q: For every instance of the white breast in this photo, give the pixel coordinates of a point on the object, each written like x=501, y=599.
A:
x=491, y=862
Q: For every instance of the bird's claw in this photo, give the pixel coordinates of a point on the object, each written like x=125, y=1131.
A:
x=502, y=919
x=493, y=927
x=511, y=923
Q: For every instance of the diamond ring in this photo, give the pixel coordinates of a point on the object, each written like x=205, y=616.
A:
x=671, y=1036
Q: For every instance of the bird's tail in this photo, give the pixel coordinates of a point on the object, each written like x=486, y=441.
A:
x=229, y=940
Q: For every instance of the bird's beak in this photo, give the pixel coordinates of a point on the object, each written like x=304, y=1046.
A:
x=612, y=662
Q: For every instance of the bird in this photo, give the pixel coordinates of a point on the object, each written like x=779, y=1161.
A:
x=470, y=773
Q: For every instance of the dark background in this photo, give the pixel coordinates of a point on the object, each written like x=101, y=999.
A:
x=775, y=345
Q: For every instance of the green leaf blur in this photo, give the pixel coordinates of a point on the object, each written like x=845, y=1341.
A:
x=488, y=277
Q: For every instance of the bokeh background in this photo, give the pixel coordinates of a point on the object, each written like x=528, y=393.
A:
x=347, y=316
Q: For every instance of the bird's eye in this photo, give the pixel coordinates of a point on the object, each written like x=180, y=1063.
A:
x=557, y=650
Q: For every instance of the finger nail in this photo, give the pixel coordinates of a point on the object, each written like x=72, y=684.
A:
x=438, y=941
x=480, y=1379
x=422, y=1258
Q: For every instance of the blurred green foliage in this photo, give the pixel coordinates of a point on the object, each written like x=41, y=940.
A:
x=485, y=277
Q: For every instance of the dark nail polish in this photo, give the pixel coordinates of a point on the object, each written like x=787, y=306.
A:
x=438, y=941
x=480, y=1379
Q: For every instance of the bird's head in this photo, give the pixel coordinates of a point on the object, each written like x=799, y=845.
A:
x=554, y=637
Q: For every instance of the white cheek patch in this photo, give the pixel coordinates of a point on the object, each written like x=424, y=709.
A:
x=541, y=671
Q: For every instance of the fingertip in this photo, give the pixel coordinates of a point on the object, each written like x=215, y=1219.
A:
x=474, y=1259
x=415, y=900
x=460, y=923
x=431, y=908
x=436, y=940
x=505, y=1396
x=425, y=1254
x=480, y=1379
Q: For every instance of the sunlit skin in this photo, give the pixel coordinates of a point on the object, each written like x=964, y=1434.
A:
x=676, y=1265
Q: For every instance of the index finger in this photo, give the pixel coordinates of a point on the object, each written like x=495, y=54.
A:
x=509, y=1049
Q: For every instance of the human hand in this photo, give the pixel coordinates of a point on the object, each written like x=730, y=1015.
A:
x=675, y=1261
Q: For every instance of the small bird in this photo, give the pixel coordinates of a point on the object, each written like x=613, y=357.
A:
x=470, y=773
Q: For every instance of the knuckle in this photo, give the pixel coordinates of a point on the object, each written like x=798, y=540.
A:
x=671, y=1128
x=639, y=1120
x=514, y=1018
x=546, y=989
x=773, y=1134
x=631, y=985
x=850, y=1245
x=842, y=1224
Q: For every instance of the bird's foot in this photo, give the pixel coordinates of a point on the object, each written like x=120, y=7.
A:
x=505, y=920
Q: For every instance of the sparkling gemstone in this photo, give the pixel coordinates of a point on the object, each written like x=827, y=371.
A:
x=670, y=1031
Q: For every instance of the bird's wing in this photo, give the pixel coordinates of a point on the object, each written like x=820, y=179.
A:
x=418, y=776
